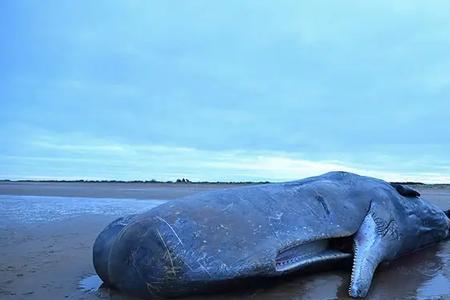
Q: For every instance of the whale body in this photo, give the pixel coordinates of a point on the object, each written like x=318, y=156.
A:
x=206, y=241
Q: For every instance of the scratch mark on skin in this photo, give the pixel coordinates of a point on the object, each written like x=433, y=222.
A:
x=203, y=268
x=171, y=228
x=169, y=253
x=223, y=227
x=278, y=216
x=152, y=289
x=204, y=256
x=172, y=270
x=133, y=262
x=312, y=211
x=228, y=206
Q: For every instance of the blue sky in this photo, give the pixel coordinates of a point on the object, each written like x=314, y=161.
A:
x=224, y=90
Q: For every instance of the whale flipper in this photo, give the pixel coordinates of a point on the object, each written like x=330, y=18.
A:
x=375, y=241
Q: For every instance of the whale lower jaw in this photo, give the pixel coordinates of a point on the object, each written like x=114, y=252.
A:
x=320, y=253
x=319, y=259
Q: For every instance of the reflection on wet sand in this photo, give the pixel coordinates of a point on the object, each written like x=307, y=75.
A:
x=410, y=276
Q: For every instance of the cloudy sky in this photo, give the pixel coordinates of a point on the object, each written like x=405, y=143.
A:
x=224, y=90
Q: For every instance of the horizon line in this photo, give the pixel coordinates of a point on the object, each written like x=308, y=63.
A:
x=177, y=181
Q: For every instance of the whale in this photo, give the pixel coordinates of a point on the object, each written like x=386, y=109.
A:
x=210, y=241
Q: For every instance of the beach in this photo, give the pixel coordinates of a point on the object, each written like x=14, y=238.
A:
x=47, y=231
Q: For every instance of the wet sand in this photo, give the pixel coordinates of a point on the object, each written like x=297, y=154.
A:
x=47, y=231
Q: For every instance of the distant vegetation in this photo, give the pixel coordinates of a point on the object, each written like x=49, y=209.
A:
x=178, y=181
x=408, y=182
x=187, y=181
x=433, y=185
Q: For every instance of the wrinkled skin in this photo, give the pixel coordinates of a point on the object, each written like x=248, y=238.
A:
x=205, y=241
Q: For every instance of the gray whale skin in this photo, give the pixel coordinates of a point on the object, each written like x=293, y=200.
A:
x=210, y=240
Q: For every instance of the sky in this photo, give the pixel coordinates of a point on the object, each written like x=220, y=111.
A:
x=224, y=90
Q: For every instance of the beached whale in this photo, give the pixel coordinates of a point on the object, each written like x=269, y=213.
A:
x=207, y=241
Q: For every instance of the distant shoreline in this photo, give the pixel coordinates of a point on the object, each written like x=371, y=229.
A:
x=178, y=181
x=185, y=181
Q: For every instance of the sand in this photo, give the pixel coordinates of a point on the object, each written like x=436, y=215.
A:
x=47, y=231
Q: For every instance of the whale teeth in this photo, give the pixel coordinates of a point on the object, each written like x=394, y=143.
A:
x=355, y=257
x=289, y=261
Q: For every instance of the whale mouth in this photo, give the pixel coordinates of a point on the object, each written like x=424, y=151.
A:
x=319, y=253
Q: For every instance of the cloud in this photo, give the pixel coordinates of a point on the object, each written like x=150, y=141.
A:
x=82, y=157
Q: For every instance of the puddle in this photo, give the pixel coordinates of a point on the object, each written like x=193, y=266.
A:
x=90, y=284
x=94, y=286
x=43, y=209
x=435, y=287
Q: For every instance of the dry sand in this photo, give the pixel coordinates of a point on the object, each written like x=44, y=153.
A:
x=47, y=231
